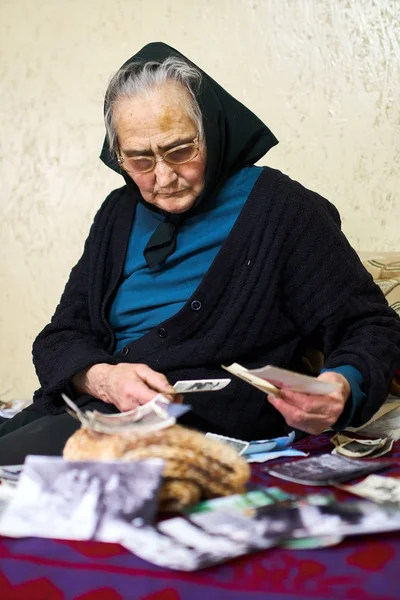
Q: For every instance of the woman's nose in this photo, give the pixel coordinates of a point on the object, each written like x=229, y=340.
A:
x=165, y=174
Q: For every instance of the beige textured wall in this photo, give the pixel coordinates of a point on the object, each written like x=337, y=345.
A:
x=324, y=74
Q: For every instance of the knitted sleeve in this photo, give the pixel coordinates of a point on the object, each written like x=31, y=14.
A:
x=69, y=343
x=327, y=291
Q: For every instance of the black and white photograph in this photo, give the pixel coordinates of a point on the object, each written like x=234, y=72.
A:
x=204, y=539
x=151, y=544
x=239, y=445
x=325, y=469
x=11, y=473
x=385, y=490
x=200, y=385
x=349, y=518
x=388, y=425
x=360, y=448
x=74, y=500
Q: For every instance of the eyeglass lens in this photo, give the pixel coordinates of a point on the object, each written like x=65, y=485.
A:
x=175, y=156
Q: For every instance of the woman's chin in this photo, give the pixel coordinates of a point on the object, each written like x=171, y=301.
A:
x=175, y=205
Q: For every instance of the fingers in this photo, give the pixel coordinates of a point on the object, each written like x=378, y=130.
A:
x=344, y=390
x=316, y=405
x=313, y=413
x=309, y=413
x=176, y=398
x=298, y=418
x=153, y=379
x=139, y=392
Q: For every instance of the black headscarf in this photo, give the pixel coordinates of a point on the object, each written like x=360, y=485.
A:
x=234, y=137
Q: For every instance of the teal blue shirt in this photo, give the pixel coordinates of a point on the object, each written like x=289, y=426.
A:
x=146, y=296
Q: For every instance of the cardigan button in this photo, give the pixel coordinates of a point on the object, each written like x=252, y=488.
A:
x=195, y=305
x=162, y=333
x=124, y=351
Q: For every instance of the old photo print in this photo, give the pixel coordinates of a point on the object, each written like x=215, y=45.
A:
x=74, y=499
x=200, y=385
x=325, y=469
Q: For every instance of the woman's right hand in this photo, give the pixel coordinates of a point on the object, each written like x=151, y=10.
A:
x=125, y=385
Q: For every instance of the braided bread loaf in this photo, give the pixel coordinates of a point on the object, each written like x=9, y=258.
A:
x=196, y=467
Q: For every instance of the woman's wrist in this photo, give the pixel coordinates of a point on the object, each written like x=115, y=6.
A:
x=92, y=381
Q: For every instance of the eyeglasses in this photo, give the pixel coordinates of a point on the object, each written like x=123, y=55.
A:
x=175, y=156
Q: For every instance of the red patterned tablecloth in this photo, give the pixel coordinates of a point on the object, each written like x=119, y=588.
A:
x=360, y=568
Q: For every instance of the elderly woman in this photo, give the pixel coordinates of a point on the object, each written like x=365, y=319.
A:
x=202, y=259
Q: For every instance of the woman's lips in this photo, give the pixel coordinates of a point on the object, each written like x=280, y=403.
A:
x=170, y=195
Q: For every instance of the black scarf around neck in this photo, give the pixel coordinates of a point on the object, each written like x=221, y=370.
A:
x=234, y=136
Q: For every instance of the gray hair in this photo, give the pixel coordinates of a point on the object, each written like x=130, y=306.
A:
x=138, y=78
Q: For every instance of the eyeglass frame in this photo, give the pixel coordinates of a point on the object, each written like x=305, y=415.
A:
x=162, y=158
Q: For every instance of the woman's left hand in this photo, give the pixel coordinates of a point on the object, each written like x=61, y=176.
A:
x=311, y=413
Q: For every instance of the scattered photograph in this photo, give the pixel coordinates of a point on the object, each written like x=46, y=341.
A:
x=360, y=447
x=249, y=503
x=325, y=469
x=243, y=502
x=349, y=518
x=239, y=446
x=11, y=473
x=204, y=539
x=385, y=490
x=388, y=425
x=72, y=499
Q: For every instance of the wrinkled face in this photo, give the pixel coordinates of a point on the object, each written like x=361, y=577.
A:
x=150, y=124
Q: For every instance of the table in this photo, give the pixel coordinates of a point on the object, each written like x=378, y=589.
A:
x=360, y=568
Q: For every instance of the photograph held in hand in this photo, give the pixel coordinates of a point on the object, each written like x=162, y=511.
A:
x=310, y=404
x=281, y=378
x=200, y=385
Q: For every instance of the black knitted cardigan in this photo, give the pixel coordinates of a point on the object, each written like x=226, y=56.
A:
x=284, y=276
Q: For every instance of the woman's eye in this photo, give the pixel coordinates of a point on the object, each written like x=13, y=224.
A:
x=141, y=163
x=179, y=155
